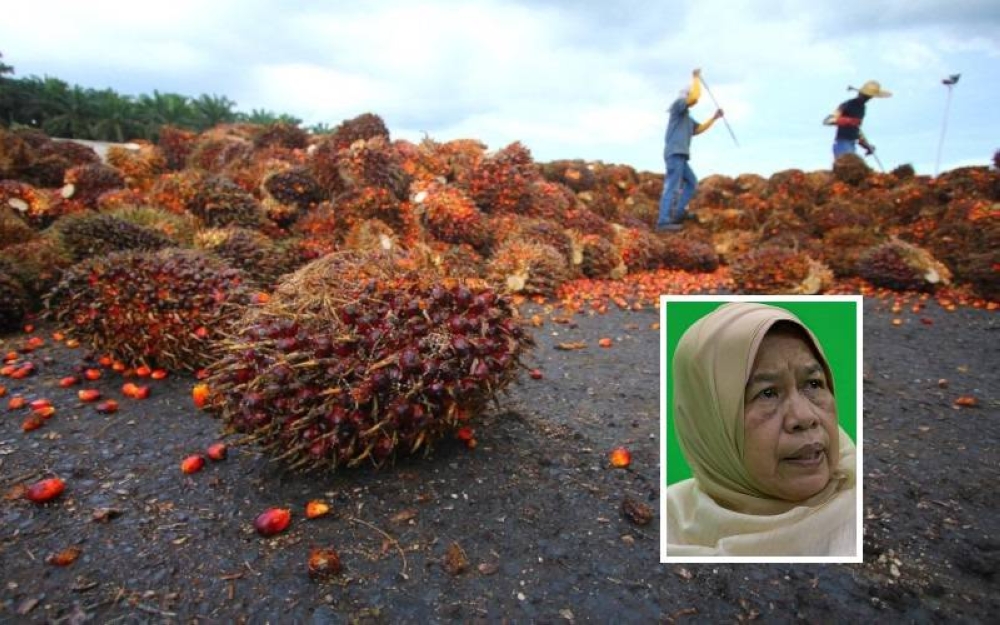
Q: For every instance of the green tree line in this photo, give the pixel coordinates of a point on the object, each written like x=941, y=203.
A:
x=75, y=112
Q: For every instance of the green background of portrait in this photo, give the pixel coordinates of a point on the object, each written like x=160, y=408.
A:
x=833, y=322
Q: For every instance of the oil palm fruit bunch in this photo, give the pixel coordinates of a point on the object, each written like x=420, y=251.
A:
x=369, y=235
x=778, y=270
x=219, y=202
x=575, y=174
x=599, y=258
x=550, y=200
x=91, y=234
x=370, y=203
x=843, y=247
x=451, y=216
x=179, y=228
x=901, y=266
x=585, y=221
x=161, y=309
x=215, y=152
x=37, y=263
x=501, y=182
x=250, y=251
x=85, y=183
x=373, y=163
x=282, y=135
x=13, y=299
x=32, y=204
x=687, y=254
x=544, y=231
x=176, y=191
x=527, y=268
x=140, y=167
x=295, y=187
x=356, y=359
x=638, y=248
x=851, y=169
x=458, y=261
x=363, y=127
x=13, y=229
x=177, y=145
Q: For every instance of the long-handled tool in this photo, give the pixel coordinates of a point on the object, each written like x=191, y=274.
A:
x=716, y=102
x=949, y=82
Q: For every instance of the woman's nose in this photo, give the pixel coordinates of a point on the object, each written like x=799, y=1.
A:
x=800, y=413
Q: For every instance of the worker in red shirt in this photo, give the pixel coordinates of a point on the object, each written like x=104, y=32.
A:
x=848, y=117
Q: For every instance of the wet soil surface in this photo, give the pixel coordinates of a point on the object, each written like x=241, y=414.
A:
x=526, y=527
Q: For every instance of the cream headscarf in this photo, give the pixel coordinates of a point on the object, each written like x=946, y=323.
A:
x=722, y=509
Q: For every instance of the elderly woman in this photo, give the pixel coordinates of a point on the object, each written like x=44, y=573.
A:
x=774, y=474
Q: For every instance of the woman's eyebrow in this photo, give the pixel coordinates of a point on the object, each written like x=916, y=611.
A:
x=813, y=368
x=763, y=377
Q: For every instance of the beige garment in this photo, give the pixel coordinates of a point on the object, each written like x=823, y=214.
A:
x=721, y=511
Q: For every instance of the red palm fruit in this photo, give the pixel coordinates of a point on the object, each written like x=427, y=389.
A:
x=118, y=366
x=39, y=403
x=45, y=490
x=105, y=361
x=536, y=374
x=88, y=394
x=16, y=402
x=92, y=374
x=129, y=389
x=44, y=412
x=28, y=328
x=32, y=422
x=140, y=392
x=65, y=557
x=35, y=342
x=272, y=521
x=58, y=336
x=217, y=451
x=620, y=457
x=72, y=343
x=192, y=464
x=23, y=371
x=8, y=370
x=465, y=434
x=68, y=381
x=142, y=371
x=316, y=509
x=323, y=563
x=107, y=406
x=158, y=374
x=200, y=395
x=604, y=342
x=11, y=356
x=3, y=390
x=202, y=374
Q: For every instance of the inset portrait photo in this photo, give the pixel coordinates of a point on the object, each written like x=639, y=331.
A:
x=760, y=429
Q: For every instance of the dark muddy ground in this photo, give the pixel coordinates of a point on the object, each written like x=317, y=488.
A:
x=535, y=508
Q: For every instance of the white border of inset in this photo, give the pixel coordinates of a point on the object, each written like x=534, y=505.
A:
x=858, y=300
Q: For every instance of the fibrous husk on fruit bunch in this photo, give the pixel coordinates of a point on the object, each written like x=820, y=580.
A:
x=13, y=300
x=779, y=270
x=355, y=360
x=851, y=169
x=968, y=183
x=177, y=145
x=168, y=308
x=32, y=204
x=527, y=268
x=678, y=252
x=368, y=164
x=371, y=235
x=16, y=154
x=840, y=212
x=281, y=135
x=54, y=158
x=601, y=202
x=599, y=258
x=220, y=202
x=420, y=161
x=85, y=183
x=457, y=261
x=575, y=174
x=179, y=228
x=970, y=247
x=501, y=182
x=90, y=234
x=368, y=203
x=903, y=172
x=639, y=249
x=361, y=128
x=256, y=255
x=550, y=200
x=37, y=263
x=543, y=231
x=841, y=248
x=907, y=200
x=903, y=267
x=322, y=223
x=450, y=215
x=139, y=166
x=295, y=188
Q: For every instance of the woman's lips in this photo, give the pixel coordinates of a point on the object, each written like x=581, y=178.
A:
x=808, y=455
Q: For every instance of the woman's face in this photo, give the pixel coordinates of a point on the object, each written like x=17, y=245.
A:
x=789, y=419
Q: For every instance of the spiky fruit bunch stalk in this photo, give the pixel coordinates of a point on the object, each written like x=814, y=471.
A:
x=220, y=202
x=451, y=216
x=599, y=258
x=851, y=169
x=355, y=361
x=501, y=182
x=85, y=183
x=140, y=167
x=13, y=301
x=527, y=268
x=687, y=254
x=92, y=234
x=161, y=309
x=638, y=248
x=31, y=204
x=903, y=172
x=903, y=267
x=778, y=270
x=177, y=145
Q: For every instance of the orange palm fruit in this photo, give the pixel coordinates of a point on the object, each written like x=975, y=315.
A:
x=200, y=395
x=142, y=371
x=68, y=381
x=65, y=557
x=158, y=374
x=323, y=563
x=32, y=422
x=45, y=490
x=316, y=509
x=92, y=374
x=604, y=342
x=39, y=403
x=72, y=343
x=45, y=411
x=107, y=406
x=192, y=464
x=272, y=521
x=88, y=394
x=536, y=374
x=105, y=361
x=16, y=403
x=620, y=457
x=217, y=451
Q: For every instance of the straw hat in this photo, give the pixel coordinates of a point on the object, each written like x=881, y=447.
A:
x=873, y=89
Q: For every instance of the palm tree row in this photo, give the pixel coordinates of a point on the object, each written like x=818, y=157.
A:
x=74, y=112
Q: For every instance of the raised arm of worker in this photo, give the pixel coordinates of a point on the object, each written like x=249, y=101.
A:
x=694, y=93
x=837, y=118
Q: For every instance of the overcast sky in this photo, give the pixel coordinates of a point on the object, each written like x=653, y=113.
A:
x=579, y=79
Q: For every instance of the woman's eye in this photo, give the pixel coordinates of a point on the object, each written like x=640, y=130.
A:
x=767, y=393
x=815, y=384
